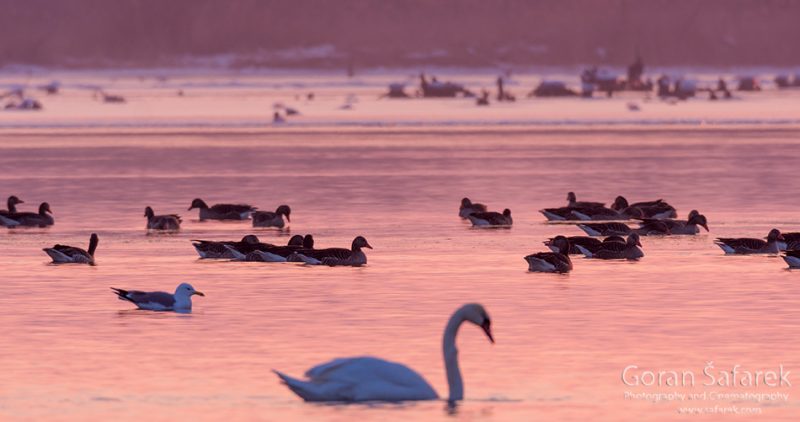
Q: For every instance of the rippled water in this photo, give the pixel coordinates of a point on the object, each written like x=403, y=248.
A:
x=70, y=350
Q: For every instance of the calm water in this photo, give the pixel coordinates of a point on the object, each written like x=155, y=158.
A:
x=71, y=351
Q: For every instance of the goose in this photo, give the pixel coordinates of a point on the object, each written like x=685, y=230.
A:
x=208, y=249
x=790, y=241
x=29, y=219
x=336, y=256
x=552, y=262
x=467, y=208
x=297, y=243
x=361, y=379
x=272, y=219
x=751, y=246
x=491, y=219
x=616, y=250
x=170, y=222
x=598, y=214
x=12, y=203
x=222, y=211
x=792, y=258
x=653, y=228
x=572, y=202
x=63, y=254
x=690, y=226
x=558, y=214
x=589, y=243
x=658, y=209
x=605, y=229
x=181, y=300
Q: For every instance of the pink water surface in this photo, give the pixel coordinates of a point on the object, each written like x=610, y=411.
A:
x=71, y=351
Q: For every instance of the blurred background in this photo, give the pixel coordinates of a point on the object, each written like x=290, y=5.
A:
x=398, y=33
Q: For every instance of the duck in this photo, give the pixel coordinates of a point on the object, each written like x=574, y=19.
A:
x=616, y=250
x=354, y=256
x=170, y=222
x=467, y=208
x=63, y=254
x=180, y=301
x=272, y=219
x=210, y=249
x=552, y=262
x=371, y=379
x=297, y=243
x=491, y=219
x=690, y=226
x=29, y=219
x=751, y=246
x=12, y=203
x=658, y=209
x=222, y=211
x=792, y=257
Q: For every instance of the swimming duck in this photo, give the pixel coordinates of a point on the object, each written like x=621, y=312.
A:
x=616, y=250
x=222, y=211
x=29, y=219
x=209, y=249
x=751, y=246
x=170, y=222
x=338, y=256
x=12, y=203
x=272, y=219
x=467, y=208
x=62, y=254
x=491, y=219
x=552, y=262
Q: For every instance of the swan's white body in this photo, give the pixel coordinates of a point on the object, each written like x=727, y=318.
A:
x=362, y=379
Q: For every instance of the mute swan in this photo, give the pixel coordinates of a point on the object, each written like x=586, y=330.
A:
x=372, y=379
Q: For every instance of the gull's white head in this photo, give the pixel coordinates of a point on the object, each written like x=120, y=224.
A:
x=185, y=290
x=476, y=314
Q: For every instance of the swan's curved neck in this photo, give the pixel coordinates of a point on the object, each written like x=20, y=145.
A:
x=454, y=381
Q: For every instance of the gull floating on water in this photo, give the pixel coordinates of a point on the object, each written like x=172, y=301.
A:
x=161, y=301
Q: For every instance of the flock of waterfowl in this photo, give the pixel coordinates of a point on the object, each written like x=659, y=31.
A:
x=373, y=379
x=299, y=249
x=654, y=218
